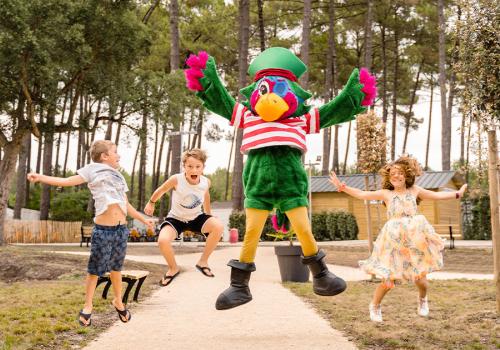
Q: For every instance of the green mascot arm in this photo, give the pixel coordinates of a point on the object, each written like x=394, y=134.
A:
x=202, y=77
x=345, y=105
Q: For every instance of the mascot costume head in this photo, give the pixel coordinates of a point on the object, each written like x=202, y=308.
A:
x=275, y=120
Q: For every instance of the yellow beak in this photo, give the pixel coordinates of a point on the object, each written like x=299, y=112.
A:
x=271, y=107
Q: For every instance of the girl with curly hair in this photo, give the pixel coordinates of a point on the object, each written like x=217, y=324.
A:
x=407, y=247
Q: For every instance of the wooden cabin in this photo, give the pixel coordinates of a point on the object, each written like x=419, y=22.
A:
x=444, y=212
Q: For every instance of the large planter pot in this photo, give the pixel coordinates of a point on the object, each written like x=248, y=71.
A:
x=291, y=267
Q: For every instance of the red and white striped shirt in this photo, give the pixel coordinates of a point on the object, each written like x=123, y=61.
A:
x=258, y=133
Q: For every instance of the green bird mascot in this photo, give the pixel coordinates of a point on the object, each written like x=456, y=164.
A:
x=275, y=120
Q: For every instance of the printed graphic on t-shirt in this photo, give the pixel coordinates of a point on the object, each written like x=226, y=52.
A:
x=190, y=201
x=110, y=182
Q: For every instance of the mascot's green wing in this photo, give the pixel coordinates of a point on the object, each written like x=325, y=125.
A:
x=345, y=105
x=214, y=95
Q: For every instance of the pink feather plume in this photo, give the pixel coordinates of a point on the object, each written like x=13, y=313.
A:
x=369, y=87
x=194, y=73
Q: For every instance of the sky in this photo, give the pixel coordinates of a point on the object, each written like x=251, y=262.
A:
x=218, y=152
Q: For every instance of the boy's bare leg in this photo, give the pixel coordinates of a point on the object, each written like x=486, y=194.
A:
x=116, y=282
x=167, y=235
x=214, y=228
x=90, y=284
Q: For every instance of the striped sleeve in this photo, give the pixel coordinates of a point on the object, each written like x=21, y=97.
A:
x=238, y=115
x=312, y=121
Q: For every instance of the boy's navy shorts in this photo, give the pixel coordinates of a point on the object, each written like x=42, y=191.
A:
x=108, y=249
x=194, y=225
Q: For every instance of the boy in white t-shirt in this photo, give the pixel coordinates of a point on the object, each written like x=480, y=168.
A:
x=110, y=233
x=190, y=193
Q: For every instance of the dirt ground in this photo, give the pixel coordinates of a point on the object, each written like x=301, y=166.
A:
x=23, y=263
x=455, y=260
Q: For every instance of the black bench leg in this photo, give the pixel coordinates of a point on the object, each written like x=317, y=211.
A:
x=106, y=288
x=130, y=285
x=138, y=288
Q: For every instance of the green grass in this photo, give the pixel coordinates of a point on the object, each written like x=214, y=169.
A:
x=41, y=294
x=462, y=315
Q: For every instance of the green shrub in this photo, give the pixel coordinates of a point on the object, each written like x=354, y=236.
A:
x=237, y=220
x=326, y=226
x=479, y=226
x=71, y=206
x=319, y=228
x=341, y=225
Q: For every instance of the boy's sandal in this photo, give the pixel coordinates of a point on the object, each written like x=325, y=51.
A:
x=124, y=315
x=86, y=317
x=205, y=270
x=166, y=280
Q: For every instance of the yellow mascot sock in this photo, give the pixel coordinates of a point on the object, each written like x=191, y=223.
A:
x=255, y=221
x=299, y=220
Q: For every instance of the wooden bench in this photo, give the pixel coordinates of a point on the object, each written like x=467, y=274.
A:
x=86, y=234
x=131, y=277
x=449, y=232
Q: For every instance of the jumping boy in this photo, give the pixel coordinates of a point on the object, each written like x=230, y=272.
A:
x=110, y=233
x=190, y=194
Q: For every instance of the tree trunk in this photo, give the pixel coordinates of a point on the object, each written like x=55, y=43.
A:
x=226, y=192
x=142, y=162
x=395, y=92
x=429, y=129
x=445, y=120
x=493, y=191
x=156, y=157
x=164, y=203
x=244, y=32
x=156, y=178
x=65, y=167
x=262, y=33
x=335, y=163
x=347, y=148
x=304, y=47
x=329, y=72
x=21, y=176
x=368, y=217
x=132, y=176
x=47, y=166
x=412, y=102
x=7, y=171
x=39, y=154
x=368, y=34
x=175, y=140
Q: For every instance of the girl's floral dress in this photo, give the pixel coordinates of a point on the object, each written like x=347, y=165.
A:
x=407, y=248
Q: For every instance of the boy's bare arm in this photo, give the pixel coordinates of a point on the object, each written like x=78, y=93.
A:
x=165, y=187
x=56, y=181
x=135, y=214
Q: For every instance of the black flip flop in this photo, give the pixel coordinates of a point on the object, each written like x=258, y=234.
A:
x=204, y=269
x=168, y=279
x=124, y=315
x=86, y=317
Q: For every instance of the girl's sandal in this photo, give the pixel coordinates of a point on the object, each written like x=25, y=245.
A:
x=86, y=317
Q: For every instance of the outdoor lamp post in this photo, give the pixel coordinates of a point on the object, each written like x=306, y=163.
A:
x=317, y=162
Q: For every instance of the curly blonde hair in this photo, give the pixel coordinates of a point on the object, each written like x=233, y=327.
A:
x=408, y=165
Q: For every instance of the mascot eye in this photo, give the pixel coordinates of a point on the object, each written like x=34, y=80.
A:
x=263, y=88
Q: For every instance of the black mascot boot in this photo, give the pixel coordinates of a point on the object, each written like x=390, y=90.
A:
x=324, y=282
x=238, y=293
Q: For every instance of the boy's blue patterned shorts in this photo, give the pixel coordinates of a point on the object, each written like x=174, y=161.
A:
x=109, y=246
